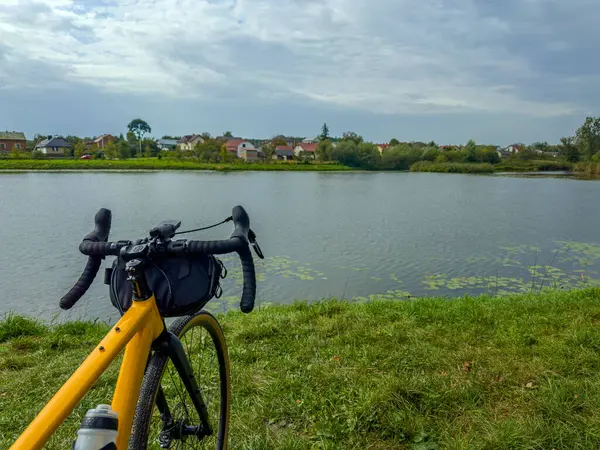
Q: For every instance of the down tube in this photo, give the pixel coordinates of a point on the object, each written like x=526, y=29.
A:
x=130, y=378
x=64, y=401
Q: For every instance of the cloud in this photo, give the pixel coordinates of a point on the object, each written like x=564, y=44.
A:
x=530, y=58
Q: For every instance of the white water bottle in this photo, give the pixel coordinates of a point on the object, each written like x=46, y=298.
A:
x=98, y=430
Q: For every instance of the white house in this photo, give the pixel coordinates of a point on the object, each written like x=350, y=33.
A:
x=242, y=149
x=166, y=144
x=187, y=143
x=305, y=149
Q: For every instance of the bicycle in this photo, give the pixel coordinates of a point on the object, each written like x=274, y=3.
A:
x=150, y=346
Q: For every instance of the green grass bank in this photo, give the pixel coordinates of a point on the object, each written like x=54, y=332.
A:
x=157, y=164
x=505, y=166
x=470, y=373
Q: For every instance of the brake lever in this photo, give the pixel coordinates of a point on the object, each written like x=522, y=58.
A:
x=254, y=243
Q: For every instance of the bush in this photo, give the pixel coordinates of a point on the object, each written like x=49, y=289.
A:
x=400, y=157
x=38, y=155
x=426, y=166
x=362, y=156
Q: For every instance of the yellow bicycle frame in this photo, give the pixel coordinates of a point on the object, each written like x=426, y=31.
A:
x=135, y=331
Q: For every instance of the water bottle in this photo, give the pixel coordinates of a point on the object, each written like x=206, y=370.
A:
x=98, y=430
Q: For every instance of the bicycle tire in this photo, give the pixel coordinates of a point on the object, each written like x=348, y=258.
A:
x=141, y=438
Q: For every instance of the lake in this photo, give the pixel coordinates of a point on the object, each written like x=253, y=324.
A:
x=351, y=235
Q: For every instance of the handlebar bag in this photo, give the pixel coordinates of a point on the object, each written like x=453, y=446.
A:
x=181, y=285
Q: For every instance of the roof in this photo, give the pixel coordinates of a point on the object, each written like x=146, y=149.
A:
x=53, y=142
x=284, y=150
x=172, y=142
x=99, y=138
x=12, y=135
x=188, y=138
x=308, y=147
x=236, y=142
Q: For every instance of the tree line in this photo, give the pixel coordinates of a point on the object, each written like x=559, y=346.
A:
x=351, y=149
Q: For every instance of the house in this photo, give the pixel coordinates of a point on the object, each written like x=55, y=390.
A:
x=306, y=149
x=515, y=148
x=315, y=140
x=188, y=142
x=284, y=153
x=53, y=146
x=449, y=148
x=10, y=140
x=249, y=154
x=382, y=147
x=242, y=148
x=510, y=150
x=101, y=142
x=166, y=144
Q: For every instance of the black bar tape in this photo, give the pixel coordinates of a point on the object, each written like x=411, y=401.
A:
x=99, y=249
x=249, y=292
x=83, y=284
x=214, y=247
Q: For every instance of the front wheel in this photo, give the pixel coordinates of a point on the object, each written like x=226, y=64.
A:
x=204, y=344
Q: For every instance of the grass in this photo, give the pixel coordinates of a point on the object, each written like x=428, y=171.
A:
x=532, y=166
x=471, y=373
x=158, y=164
x=449, y=167
x=588, y=169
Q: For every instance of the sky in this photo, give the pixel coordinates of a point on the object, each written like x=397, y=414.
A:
x=497, y=71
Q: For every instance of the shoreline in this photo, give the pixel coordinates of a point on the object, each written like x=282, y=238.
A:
x=520, y=370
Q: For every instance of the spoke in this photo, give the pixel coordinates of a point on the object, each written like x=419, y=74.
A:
x=187, y=344
x=210, y=375
x=178, y=390
x=199, y=373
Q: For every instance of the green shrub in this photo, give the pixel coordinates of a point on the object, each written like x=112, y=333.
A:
x=426, y=166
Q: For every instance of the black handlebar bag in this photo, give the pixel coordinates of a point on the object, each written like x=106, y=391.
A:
x=181, y=285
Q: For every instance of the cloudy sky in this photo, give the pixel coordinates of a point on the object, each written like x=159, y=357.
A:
x=497, y=71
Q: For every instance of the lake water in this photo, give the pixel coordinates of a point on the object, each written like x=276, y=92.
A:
x=352, y=235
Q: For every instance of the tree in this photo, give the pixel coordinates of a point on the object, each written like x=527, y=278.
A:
x=269, y=151
x=228, y=134
x=224, y=155
x=140, y=128
x=124, y=148
x=324, y=133
x=394, y=142
x=173, y=138
x=208, y=151
x=569, y=150
x=79, y=149
x=324, y=150
x=15, y=152
x=132, y=139
x=206, y=135
x=471, y=151
x=431, y=154
x=110, y=151
x=278, y=140
x=352, y=136
x=588, y=137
